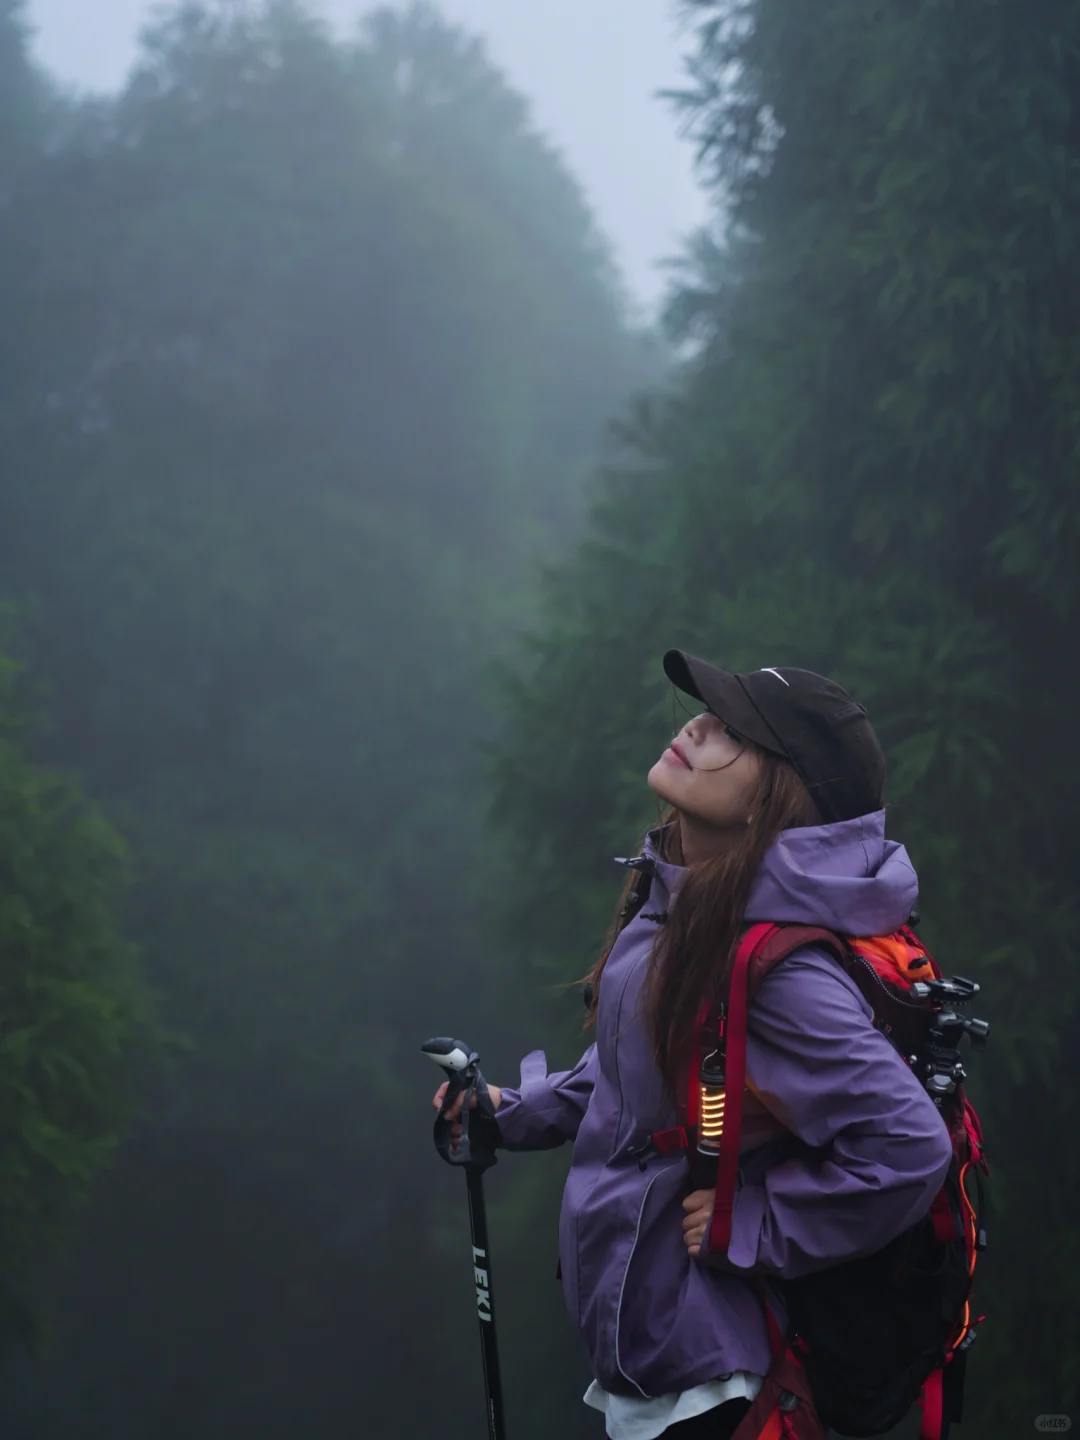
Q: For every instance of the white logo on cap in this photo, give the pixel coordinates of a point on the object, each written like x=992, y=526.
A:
x=768, y=670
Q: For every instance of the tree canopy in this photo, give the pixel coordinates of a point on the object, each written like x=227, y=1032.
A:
x=312, y=344
x=74, y=1011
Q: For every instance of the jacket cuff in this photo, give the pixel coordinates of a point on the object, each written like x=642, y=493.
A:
x=514, y=1116
x=746, y=1221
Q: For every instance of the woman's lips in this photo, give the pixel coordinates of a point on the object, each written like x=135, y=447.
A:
x=675, y=757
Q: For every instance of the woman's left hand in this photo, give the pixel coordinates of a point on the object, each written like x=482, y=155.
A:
x=699, y=1208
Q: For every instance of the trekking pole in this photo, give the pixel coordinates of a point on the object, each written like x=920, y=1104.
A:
x=474, y=1153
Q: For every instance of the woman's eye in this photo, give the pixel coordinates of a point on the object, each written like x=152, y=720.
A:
x=728, y=731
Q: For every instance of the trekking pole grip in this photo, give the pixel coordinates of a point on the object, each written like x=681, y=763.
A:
x=475, y=1149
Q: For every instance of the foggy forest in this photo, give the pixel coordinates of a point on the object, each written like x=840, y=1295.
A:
x=347, y=508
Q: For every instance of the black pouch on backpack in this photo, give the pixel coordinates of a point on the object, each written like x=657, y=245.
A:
x=876, y=1327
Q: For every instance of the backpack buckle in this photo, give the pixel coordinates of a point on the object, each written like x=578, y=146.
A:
x=970, y=1337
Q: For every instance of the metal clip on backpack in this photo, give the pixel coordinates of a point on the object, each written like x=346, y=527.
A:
x=868, y=1338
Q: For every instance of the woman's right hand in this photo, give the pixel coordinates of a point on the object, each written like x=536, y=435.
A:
x=454, y=1112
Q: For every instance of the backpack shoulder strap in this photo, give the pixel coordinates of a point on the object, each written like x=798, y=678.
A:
x=784, y=940
x=762, y=946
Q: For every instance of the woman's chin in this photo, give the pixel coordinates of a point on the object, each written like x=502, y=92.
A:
x=660, y=778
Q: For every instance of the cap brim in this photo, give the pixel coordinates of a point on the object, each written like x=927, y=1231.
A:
x=724, y=696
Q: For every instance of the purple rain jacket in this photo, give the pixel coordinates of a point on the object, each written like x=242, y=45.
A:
x=842, y=1148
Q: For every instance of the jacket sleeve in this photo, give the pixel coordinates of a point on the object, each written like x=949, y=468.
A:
x=547, y=1110
x=820, y=1067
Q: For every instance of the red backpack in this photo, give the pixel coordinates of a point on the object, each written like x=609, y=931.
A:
x=867, y=1338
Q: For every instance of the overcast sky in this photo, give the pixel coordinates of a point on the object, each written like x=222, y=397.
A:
x=591, y=69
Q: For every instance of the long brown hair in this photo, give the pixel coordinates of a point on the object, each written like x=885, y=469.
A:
x=694, y=950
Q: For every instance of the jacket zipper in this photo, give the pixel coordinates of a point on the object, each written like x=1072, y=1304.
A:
x=615, y=1051
x=622, y=1287
x=615, y=1058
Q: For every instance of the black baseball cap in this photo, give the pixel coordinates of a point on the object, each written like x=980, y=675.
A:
x=808, y=720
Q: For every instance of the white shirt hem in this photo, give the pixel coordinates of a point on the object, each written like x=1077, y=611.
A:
x=630, y=1418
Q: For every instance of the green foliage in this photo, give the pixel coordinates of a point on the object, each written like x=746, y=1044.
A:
x=870, y=469
x=72, y=1007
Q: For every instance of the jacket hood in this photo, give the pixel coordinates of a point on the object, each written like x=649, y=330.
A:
x=846, y=877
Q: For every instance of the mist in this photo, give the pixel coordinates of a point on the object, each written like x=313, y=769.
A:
x=592, y=75
x=351, y=491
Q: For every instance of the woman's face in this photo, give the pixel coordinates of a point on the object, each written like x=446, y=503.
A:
x=709, y=774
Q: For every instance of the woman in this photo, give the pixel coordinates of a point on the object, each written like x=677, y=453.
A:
x=776, y=814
